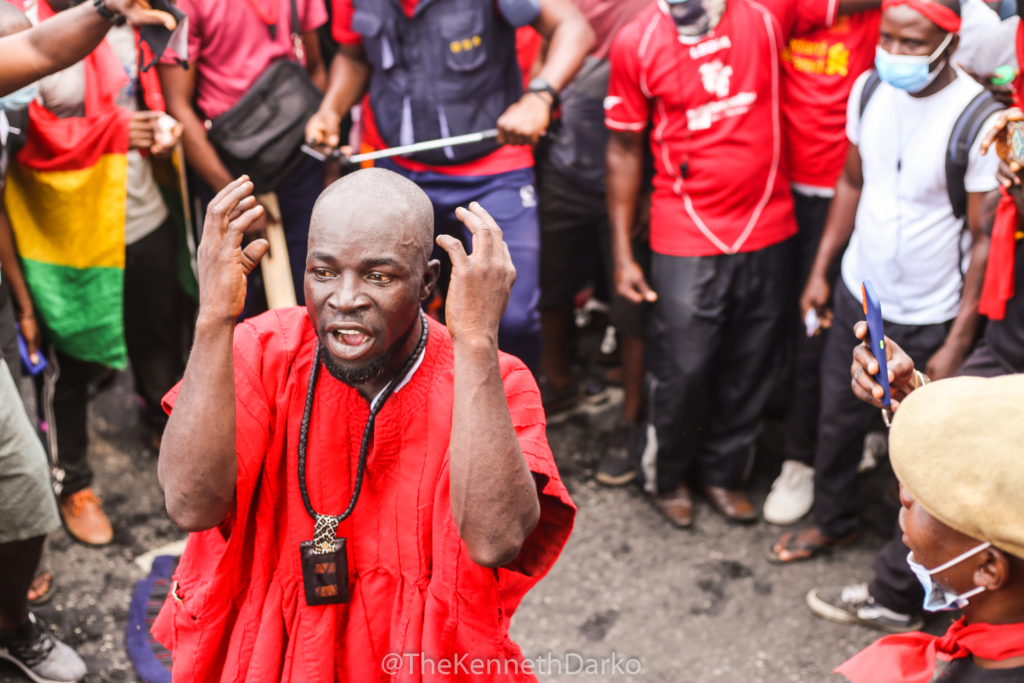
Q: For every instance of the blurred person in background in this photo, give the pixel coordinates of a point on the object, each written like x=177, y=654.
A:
x=575, y=241
x=908, y=237
x=706, y=73
x=98, y=248
x=444, y=68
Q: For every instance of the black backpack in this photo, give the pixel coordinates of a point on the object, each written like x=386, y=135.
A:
x=965, y=132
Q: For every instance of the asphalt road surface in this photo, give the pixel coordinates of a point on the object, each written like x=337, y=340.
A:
x=664, y=604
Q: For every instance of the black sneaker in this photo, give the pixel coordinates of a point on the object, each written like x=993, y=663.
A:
x=616, y=467
x=854, y=605
x=42, y=657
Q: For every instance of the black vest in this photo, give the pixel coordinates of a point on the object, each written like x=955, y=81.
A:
x=451, y=69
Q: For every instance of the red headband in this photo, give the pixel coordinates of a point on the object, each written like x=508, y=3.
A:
x=941, y=16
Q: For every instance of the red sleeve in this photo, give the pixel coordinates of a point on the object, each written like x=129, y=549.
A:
x=314, y=15
x=341, y=23
x=797, y=17
x=195, y=33
x=557, y=511
x=627, y=106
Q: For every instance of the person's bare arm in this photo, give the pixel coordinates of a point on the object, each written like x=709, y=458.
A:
x=347, y=83
x=11, y=270
x=314, y=60
x=493, y=494
x=198, y=464
x=960, y=339
x=624, y=162
x=178, y=86
x=569, y=39
x=842, y=215
x=59, y=42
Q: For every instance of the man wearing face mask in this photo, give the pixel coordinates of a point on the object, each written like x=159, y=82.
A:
x=893, y=203
x=707, y=73
x=964, y=525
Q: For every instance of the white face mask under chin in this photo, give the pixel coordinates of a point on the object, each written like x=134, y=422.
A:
x=937, y=598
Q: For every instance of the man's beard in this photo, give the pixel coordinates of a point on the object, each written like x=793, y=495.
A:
x=370, y=371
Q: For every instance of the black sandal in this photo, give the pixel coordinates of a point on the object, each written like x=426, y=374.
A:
x=46, y=595
x=813, y=550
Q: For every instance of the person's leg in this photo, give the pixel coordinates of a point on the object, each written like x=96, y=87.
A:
x=18, y=563
x=8, y=332
x=150, y=288
x=568, y=255
x=751, y=353
x=296, y=196
x=686, y=328
x=63, y=395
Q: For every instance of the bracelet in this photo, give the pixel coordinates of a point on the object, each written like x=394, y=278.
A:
x=22, y=316
x=920, y=379
x=101, y=9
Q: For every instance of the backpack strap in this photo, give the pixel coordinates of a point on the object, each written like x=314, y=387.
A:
x=870, y=86
x=965, y=132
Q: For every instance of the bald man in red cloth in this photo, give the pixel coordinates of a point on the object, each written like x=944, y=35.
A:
x=382, y=520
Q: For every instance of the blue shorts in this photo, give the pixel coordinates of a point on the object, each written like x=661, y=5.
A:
x=511, y=199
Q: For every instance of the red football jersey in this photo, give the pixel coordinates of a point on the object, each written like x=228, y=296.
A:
x=721, y=182
x=818, y=71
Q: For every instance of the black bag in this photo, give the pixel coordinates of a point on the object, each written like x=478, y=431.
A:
x=262, y=134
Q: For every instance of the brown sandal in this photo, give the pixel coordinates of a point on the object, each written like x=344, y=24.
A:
x=808, y=550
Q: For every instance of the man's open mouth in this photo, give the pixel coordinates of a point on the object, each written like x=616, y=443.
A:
x=348, y=342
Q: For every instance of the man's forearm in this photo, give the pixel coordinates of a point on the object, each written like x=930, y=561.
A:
x=624, y=174
x=53, y=45
x=11, y=269
x=198, y=464
x=568, y=45
x=842, y=217
x=347, y=82
x=493, y=494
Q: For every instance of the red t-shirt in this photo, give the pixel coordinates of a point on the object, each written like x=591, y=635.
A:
x=818, y=71
x=715, y=108
x=239, y=612
x=230, y=46
x=505, y=158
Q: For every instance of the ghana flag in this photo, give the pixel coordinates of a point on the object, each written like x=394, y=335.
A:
x=65, y=198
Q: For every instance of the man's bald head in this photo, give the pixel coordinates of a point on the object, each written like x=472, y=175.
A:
x=12, y=20
x=381, y=198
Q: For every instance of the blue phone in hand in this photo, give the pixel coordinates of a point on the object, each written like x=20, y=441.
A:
x=876, y=337
x=29, y=367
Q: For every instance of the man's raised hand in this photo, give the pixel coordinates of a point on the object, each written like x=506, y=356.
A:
x=223, y=264
x=481, y=282
x=865, y=367
x=140, y=13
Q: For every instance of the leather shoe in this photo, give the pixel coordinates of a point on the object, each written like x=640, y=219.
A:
x=676, y=506
x=731, y=503
x=84, y=518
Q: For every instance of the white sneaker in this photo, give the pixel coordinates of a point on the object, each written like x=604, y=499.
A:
x=792, y=494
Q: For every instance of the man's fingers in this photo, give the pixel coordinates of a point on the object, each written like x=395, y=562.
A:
x=242, y=207
x=456, y=252
x=860, y=330
x=237, y=227
x=646, y=292
x=227, y=205
x=252, y=254
x=228, y=189
x=483, y=237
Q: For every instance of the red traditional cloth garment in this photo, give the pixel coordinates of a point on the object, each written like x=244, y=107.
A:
x=999, y=275
x=910, y=657
x=238, y=611
x=943, y=17
x=1018, y=84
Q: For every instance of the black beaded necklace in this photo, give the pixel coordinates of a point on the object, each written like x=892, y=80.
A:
x=324, y=559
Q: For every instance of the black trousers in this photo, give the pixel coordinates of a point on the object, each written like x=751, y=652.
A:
x=845, y=419
x=801, y=427
x=716, y=345
x=894, y=585
x=150, y=292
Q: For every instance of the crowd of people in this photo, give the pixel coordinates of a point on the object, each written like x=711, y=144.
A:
x=180, y=197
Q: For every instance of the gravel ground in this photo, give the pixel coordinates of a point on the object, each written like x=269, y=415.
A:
x=698, y=605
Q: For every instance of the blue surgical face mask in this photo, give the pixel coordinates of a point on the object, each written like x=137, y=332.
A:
x=937, y=598
x=908, y=72
x=19, y=98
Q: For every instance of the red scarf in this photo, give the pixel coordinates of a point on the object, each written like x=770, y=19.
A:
x=943, y=17
x=999, y=275
x=910, y=657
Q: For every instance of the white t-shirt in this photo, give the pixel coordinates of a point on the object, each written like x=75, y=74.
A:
x=907, y=241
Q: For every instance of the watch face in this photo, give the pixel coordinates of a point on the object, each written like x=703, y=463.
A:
x=539, y=84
